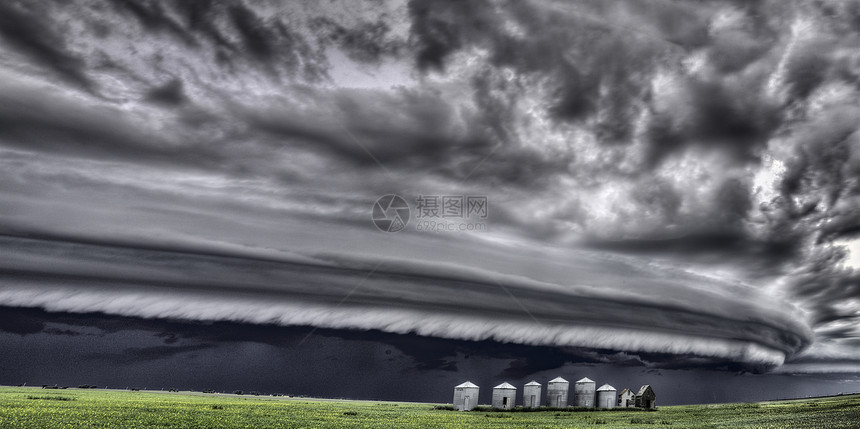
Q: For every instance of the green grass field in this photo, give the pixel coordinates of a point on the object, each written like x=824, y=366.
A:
x=24, y=407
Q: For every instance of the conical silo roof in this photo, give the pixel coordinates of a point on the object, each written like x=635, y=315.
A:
x=605, y=388
x=505, y=385
x=467, y=384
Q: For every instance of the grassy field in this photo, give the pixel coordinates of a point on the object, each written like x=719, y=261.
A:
x=24, y=407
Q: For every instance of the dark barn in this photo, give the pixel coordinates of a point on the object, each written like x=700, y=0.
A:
x=646, y=398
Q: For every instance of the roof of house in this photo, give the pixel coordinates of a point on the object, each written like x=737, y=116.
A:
x=467, y=384
x=643, y=389
x=626, y=391
x=532, y=383
x=505, y=385
x=585, y=380
x=605, y=388
x=558, y=380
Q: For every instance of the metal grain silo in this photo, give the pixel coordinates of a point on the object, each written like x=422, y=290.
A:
x=583, y=393
x=556, y=392
x=504, y=396
x=466, y=396
x=606, y=396
x=531, y=394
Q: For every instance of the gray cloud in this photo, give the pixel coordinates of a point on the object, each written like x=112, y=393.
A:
x=249, y=289
x=23, y=30
x=33, y=121
x=691, y=166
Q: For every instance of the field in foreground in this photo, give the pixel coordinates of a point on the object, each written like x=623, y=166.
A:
x=23, y=407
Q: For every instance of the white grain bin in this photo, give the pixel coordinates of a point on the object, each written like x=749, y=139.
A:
x=504, y=396
x=556, y=392
x=531, y=394
x=466, y=396
x=606, y=396
x=583, y=393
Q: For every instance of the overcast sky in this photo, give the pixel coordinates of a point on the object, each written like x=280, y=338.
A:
x=675, y=184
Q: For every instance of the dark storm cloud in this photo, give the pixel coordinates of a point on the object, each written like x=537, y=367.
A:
x=721, y=112
x=832, y=289
x=139, y=354
x=152, y=16
x=22, y=28
x=202, y=281
x=169, y=94
x=738, y=122
x=32, y=120
x=822, y=174
x=710, y=245
x=21, y=321
x=437, y=29
x=226, y=168
x=428, y=353
x=230, y=33
x=273, y=44
x=716, y=238
x=200, y=17
x=421, y=129
x=369, y=42
x=410, y=131
x=352, y=358
x=255, y=36
x=602, y=66
x=599, y=69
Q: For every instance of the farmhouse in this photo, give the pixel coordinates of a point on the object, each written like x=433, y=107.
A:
x=583, y=393
x=466, y=396
x=504, y=396
x=556, y=392
x=626, y=399
x=646, y=398
x=606, y=396
x=531, y=394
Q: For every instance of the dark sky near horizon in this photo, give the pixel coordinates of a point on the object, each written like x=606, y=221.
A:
x=120, y=352
x=672, y=188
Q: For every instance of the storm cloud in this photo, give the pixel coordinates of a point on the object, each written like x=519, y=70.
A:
x=662, y=177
